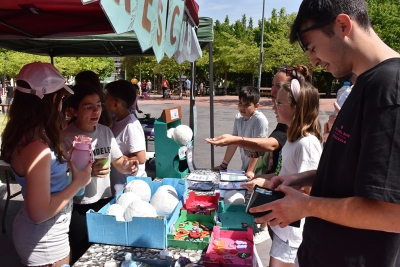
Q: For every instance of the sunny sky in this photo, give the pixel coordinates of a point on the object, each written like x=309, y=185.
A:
x=218, y=9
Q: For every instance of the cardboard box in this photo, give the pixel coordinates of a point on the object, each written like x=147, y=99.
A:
x=227, y=248
x=188, y=244
x=234, y=217
x=208, y=204
x=140, y=232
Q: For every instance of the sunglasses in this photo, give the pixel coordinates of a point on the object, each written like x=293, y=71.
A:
x=290, y=71
x=312, y=27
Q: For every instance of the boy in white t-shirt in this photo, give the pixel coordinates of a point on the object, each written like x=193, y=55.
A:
x=249, y=122
x=128, y=132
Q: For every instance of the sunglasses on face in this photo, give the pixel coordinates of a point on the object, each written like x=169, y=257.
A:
x=290, y=71
x=312, y=27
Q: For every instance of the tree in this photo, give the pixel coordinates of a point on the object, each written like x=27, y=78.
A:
x=385, y=19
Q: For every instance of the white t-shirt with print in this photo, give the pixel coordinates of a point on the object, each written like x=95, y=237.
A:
x=255, y=126
x=130, y=139
x=299, y=156
x=103, y=145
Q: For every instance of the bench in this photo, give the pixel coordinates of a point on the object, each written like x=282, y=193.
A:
x=3, y=107
x=265, y=91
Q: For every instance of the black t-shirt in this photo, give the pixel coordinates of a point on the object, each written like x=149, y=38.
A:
x=10, y=90
x=280, y=134
x=361, y=158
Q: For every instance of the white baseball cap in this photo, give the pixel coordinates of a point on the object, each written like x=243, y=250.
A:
x=43, y=78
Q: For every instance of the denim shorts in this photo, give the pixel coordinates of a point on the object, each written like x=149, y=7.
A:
x=281, y=250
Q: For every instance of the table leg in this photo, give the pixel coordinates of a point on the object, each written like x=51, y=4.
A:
x=9, y=196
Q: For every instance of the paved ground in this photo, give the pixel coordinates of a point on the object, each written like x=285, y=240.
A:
x=224, y=111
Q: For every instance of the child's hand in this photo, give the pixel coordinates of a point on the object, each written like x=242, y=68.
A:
x=130, y=166
x=81, y=178
x=250, y=174
x=252, y=183
x=99, y=169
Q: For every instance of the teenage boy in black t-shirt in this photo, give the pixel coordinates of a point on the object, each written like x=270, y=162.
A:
x=353, y=212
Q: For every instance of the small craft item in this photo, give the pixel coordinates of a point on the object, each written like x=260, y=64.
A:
x=243, y=255
x=241, y=245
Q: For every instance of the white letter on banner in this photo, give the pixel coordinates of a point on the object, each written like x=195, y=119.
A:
x=174, y=26
x=121, y=14
x=159, y=33
x=145, y=22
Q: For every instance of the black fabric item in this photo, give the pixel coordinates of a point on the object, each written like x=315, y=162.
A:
x=361, y=158
x=78, y=235
x=280, y=134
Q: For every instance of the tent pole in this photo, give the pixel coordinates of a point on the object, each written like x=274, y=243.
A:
x=192, y=96
x=211, y=92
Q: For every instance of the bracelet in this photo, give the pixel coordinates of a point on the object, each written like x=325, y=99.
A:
x=225, y=162
x=222, y=167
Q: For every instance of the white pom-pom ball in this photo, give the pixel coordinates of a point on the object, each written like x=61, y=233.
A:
x=183, y=135
x=116, y=210
x=140, y=188
x=170, y=133
x=233, y=197
x=127, y=198
x=165, y=200
x=139, y=209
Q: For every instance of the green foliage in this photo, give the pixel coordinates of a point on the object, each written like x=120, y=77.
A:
x=385, y=19
x=11, y=62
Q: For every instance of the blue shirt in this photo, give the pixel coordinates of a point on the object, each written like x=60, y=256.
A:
x=58, y=174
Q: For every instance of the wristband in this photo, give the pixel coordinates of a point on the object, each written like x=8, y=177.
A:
x=222, y=167
x=225, y=162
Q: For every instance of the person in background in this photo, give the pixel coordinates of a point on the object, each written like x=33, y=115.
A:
x=164, y=86
x=32, y=145
x=90, y=77
x=86, y=107
x=143, y=87
x=126, y=128
x=249, y=122
x=148, y=86
x=135, y=106
x=134, y=80
x=187, y=87
x=297, y=106
x=9, y=93
x=201, y=88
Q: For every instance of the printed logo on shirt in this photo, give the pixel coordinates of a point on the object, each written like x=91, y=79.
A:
x=340, y=135
x=101, y=151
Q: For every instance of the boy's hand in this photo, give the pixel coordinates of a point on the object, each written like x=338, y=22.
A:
x=252, y=183
x=99, y=169
x=250, y=174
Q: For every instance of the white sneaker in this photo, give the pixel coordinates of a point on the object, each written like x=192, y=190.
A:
x=261, y=236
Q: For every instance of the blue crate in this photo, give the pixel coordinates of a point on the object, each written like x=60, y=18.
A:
x=140, y=232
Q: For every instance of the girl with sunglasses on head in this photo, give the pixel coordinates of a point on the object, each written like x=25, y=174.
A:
x=86, y=107
x=276, y=139
x=32, y=145
x=297, y=106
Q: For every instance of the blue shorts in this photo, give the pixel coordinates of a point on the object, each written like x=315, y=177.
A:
x=281, y=250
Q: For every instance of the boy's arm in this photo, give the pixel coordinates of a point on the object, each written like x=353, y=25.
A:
x=251, y=167
x=139, y=156
x=230, y=151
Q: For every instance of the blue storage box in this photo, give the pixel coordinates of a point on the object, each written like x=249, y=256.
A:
x=140, y=232
x=234, y=217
